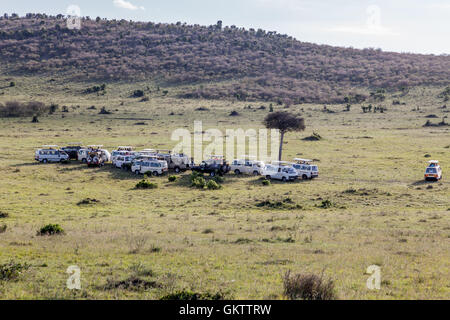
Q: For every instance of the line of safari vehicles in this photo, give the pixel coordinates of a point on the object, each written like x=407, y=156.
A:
x=159, y=162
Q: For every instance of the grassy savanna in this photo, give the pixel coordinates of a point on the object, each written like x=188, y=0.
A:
x=174, y=237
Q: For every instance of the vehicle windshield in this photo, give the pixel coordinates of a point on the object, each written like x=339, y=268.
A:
x=431, y=170
x=315, y=168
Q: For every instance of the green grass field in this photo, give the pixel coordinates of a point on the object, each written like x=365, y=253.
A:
x=177, y=237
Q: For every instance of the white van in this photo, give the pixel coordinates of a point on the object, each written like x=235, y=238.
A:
x=176, y=161
x=247, y=166
x=51, y=154
x=433, y=171
x=155, y=167
x=305, y=168
x=280, y=172
x=121, y=150
x=123, y=161
x=83, y=154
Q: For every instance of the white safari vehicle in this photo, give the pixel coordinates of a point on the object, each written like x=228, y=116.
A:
x=247, y=166
x=51, y=154
x=83, y=154
x=280, y=171
x=305, y=168
x=121, y=150
x=147, y=165
x=123, y=161
x=433, y=171
x=175, y=161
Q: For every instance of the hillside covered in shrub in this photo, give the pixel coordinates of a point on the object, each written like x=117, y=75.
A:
x=225, y=62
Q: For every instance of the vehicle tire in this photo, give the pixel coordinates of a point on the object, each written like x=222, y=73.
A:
x=177, y=169
x=137, y=172
x=283, y=179
x=237, y=171
x=44, y=161
x=155, y=173
x=212, y=174
x=268, y=177
x=255, y=173
x=304, y=177
x=83, y=160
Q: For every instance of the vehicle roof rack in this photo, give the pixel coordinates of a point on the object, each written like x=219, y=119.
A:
x=95, y=146
x=281, y=162
x=433, y=161
x=303, y=160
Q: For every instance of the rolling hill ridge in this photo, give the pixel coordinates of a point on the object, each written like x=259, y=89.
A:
x=222, y=62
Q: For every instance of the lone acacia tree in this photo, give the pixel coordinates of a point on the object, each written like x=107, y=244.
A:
x=284, y=122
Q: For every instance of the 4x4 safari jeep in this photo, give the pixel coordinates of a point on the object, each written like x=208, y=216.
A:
x=216, y=165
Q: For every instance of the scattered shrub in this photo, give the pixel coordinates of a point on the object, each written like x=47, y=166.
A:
x=439, y=124
x=95, y=89
x=265, y=182
x=12, y=84
x=314, y=137
x=207, y=231
x=51, y=229
x=198, y=182
x=286, y=203
x=87, y=201
x=104, y=111
x=308, y=287
x=132, y=283
x=12, y=270
x=234, y=113
x=144, y=184
x=4, y=215
x=3, y=228
x=213, y=185
x=172, y=178
x=189, y=295
x=326, y=204
x=137, y=93
x=219, y=179
x=21, y=109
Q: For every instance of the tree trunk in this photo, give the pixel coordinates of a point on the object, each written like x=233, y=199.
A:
x=280, y=152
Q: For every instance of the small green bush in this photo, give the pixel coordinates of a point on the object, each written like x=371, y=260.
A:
x=218, y=179
x=212, y=185
x=308, y=287
x=172, y=178
x=189, y=295
x=198, y=182
x=51, y=229
x=12, y=270
x=265, y=182
x=326, y=204
x=144, y=184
